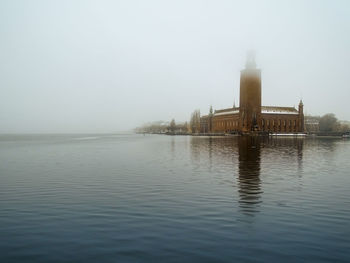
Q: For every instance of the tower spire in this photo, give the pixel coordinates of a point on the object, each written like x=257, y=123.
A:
x=250, y=63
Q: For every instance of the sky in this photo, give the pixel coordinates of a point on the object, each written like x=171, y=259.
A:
x=109, y=66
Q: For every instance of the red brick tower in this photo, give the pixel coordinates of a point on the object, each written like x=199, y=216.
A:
x=250, y=96
x=301, y=116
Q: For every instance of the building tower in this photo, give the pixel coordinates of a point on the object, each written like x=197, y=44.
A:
x=250, y=96
x=210, y=119
x=301, y=116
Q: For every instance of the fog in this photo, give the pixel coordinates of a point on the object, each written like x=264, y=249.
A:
x=108, y=66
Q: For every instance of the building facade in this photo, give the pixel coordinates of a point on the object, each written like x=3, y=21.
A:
x=251, y=115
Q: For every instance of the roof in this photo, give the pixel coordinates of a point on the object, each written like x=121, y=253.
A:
x=264, y=110
x=227, y=111
x=278, y=110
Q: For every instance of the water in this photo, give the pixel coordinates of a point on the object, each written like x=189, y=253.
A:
x=134, y=198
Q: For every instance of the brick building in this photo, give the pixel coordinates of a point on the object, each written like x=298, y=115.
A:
x=250, y=115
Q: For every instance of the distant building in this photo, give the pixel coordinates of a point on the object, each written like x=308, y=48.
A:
x=312, y=124
x=250, y=115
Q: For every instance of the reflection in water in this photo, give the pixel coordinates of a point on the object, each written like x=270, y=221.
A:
x=300, y=144
x=210, y=149
x=249, y=174
x=172, y=147
x=245, y=157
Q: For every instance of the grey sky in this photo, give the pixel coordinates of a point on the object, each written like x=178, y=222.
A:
x=106, y=66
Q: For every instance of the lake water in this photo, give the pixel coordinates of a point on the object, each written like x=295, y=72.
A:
x=153, y=198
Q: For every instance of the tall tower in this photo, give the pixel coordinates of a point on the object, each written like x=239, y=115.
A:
x=250, y=96
x=301, y=116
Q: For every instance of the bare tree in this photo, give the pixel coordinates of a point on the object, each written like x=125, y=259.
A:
x=195, y=121
x=344, y=128
x=211, y=110
x=329, y=123
x=172, y=125
x=185, y=127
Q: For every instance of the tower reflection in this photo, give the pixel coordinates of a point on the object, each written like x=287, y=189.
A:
x=243, y=160
x=249, y=183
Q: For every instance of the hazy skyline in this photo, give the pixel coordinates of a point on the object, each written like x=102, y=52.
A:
x=108, y=66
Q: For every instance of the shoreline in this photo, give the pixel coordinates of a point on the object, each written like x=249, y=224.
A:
x=259, y=134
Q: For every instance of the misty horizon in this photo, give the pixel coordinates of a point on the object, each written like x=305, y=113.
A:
x=105, y=67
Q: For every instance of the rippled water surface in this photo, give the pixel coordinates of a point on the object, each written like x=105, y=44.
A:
x=134, y=198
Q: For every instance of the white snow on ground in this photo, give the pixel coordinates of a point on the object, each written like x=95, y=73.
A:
x=288, y=134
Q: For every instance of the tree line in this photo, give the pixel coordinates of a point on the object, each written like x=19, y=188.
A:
x=172, y=127
x=329, y=123
x=325, y=123
x=163, y=127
